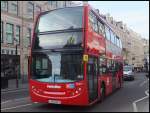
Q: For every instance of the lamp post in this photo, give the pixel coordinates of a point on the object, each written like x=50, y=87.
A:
x=16, y=52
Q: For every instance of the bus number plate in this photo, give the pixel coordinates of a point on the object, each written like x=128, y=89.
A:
x=54, y=101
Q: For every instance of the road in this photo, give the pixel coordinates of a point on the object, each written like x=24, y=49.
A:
x=134, y=96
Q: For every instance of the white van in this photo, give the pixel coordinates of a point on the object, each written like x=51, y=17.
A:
x=128, y=73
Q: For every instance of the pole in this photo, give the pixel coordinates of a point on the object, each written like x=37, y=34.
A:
x=17, y=85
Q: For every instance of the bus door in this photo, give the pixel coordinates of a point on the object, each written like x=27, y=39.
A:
x=92, y=76
x=113, y=72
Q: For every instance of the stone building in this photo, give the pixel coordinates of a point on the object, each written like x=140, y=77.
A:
x=133, y=47
x=17, y=22
x=146, y=54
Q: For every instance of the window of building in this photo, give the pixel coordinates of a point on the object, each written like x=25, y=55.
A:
x=117, y=39
x=29, y=36
x=30, y=10
x=112, y=37
x=64, y=4
x=50, y=3
x=12, y=52
x=54, y=4
x=120, y=43
x=18, y=34
x=4, y=5
x=14, y=7
x=9, y=33
x=38, y=9
x=121, y=27
x=3, y=51
x=2, y=31
x=60, y=4
x=107, y=31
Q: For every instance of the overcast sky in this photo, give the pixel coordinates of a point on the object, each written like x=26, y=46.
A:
x=135, y=14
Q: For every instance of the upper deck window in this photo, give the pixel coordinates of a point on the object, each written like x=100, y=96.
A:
x=101, y=28
x=60, y=19
x=93, y=22
x=107, y=31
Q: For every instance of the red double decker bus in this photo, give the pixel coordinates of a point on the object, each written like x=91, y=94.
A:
x=75, y=58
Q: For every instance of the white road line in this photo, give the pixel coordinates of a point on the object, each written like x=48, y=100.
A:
x=147, y=92
x=144, y=83
x=6, y=101
x=134, y=103
x=19, y=99
x=16, y=107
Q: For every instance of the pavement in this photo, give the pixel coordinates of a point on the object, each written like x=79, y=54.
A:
x=133, y=97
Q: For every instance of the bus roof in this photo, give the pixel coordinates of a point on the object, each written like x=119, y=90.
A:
x=90, y=7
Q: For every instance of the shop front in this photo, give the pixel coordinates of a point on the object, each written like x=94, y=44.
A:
x=10, y=71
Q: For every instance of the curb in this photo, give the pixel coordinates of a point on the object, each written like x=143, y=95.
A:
x=13, y=90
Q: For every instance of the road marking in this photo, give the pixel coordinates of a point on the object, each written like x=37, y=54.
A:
x=6, y=101
x=4, y=92
x=16, y=107
x=144, y=83
x=147, y=92
x=134, y=103
x=14, y=100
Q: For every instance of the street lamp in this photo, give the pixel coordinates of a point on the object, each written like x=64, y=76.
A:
x=16, y=52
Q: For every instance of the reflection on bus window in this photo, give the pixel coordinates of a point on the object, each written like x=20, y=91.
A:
x=57, y=67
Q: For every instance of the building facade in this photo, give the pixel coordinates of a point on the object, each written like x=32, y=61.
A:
x=146, y=54
x=133, y=46
x=17, y=22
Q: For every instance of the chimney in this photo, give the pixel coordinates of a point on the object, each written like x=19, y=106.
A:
x=85, y=3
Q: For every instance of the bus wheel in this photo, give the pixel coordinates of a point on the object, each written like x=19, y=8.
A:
x=102, y=92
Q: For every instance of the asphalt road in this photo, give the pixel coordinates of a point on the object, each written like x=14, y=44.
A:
x=134, y=96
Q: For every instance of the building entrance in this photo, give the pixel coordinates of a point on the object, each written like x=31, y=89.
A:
x=10, y=71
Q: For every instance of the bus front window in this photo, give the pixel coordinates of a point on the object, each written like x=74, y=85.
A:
x=60, y=28
x=57, y=67
x=60, y=19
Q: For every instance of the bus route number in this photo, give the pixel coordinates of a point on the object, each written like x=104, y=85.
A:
x=85, y=58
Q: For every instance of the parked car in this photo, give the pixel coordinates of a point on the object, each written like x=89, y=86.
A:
x=128, y=72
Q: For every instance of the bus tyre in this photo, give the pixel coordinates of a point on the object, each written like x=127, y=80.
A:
x=102, y=92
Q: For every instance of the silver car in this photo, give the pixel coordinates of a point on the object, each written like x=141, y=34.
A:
x=128, y=73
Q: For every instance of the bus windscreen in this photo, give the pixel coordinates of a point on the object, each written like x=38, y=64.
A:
x=60, y=19
x=57, y=67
